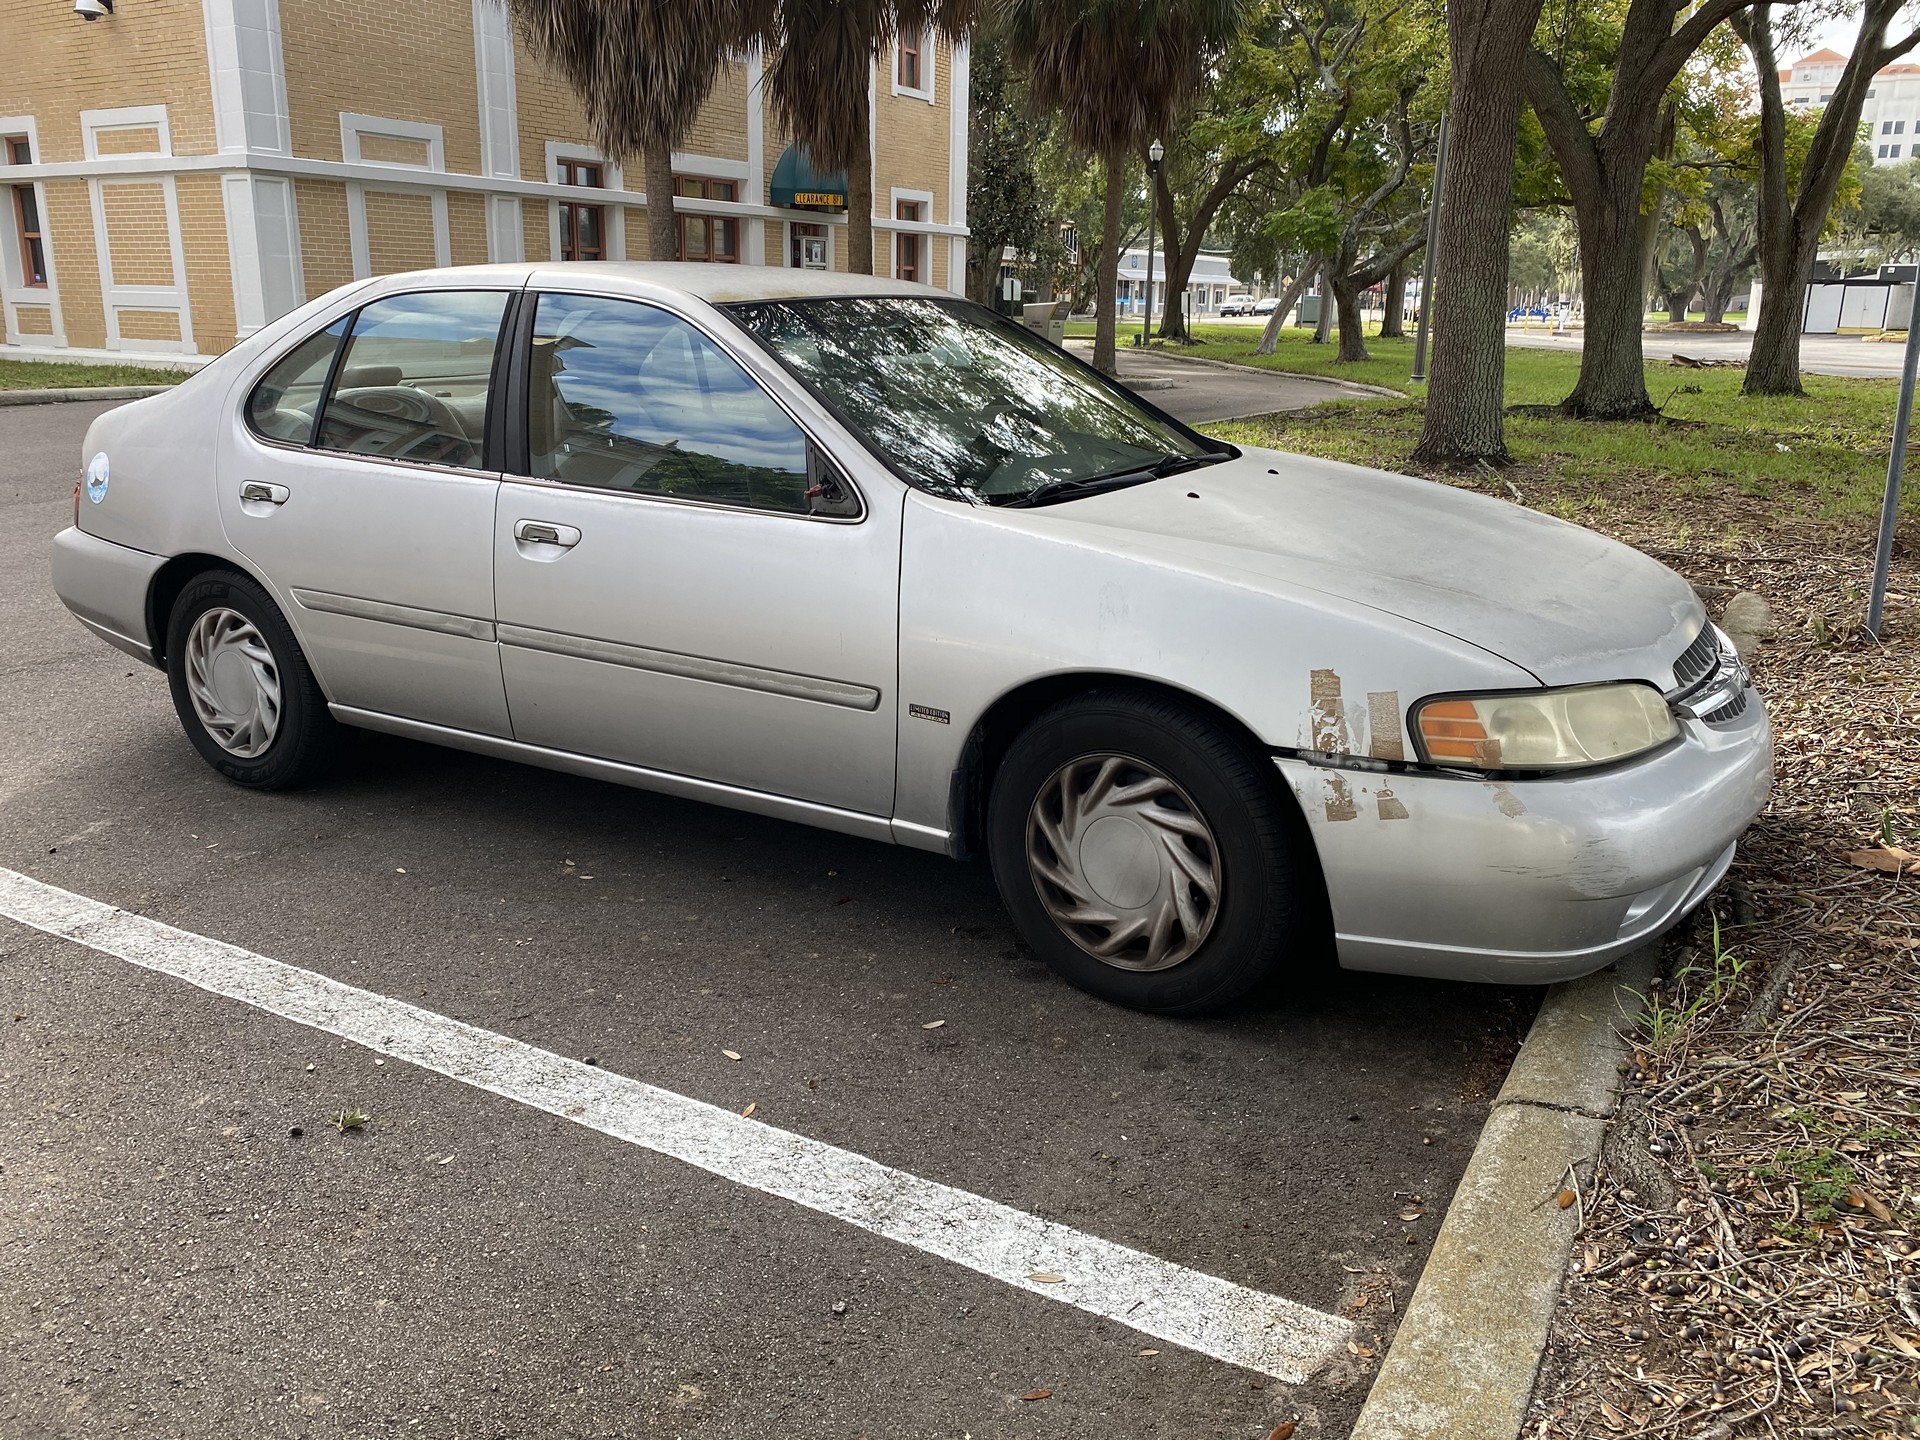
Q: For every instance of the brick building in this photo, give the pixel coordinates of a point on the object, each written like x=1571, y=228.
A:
x=180, y=172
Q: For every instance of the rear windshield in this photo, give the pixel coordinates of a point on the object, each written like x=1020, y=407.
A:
x=963, y=403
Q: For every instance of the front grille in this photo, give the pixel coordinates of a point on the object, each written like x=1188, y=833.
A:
x=1698, y=664
x=1732, y=710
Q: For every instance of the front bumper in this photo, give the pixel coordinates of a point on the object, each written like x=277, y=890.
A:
x=1531, y=881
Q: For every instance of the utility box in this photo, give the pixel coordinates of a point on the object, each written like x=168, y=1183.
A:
x=1309, y=310
x=1047, y=319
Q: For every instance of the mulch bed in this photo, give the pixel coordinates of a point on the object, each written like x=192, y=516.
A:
x=1748, y=1262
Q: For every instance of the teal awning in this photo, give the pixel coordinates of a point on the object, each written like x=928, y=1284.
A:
x=799, y=186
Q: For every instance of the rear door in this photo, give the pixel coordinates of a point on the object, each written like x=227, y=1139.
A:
x=358, y=483
x=683, y=581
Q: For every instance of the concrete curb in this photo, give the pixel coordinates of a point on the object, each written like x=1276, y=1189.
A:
x=87, y=392
x=1381, y=390
x=1465, y=1357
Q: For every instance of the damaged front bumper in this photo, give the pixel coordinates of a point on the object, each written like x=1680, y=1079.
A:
x=1530, y=881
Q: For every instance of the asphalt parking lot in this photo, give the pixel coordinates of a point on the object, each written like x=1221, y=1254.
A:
x=188, y=1247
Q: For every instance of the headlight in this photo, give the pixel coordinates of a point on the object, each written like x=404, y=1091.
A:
x=1544, y=729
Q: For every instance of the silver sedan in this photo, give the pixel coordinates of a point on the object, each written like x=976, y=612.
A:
x=861, y=555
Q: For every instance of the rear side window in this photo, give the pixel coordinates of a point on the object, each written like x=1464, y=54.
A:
x=286, y=402
x=624, y=396
x=414, y=379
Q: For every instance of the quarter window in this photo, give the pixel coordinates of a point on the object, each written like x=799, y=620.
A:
x=413, y=380
x=624, y=396
x=284, y=404
x=713, y=238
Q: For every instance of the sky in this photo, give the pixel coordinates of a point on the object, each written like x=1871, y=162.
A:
x=1838, y=33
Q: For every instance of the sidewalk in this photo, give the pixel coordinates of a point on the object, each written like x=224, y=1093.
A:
x=1201, y=393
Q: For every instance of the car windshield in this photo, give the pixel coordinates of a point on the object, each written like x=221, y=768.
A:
x=968, y=405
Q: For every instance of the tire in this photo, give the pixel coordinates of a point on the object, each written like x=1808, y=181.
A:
x=1227, y=889
x=226, y=640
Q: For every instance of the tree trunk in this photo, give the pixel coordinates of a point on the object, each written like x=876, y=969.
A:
x=1270, y=337
x=1353, y=337
x=1393, y=313
x=1107, y=267
x=1464, y=422
x=1613, y=367
x=982, y=276
x=663, y=226
x=1773, y=364
x=1323, y=328
x=860, y=207
x=1677, y=298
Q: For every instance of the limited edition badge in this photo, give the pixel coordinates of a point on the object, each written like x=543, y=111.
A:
x=97, y=478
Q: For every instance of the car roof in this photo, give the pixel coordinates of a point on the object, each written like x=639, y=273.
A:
x=716, y=284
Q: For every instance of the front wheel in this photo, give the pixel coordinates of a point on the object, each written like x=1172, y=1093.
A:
x=242, y=688
x=1143, y=852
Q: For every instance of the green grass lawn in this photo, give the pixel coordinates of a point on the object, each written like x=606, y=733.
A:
x=66, y=374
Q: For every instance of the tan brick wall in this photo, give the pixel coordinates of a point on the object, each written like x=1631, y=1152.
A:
x=70, y=224
x=138, y=247
x=326, y=246
x=152, y=52
x=913, y=138
x=373, y=57
x=721, y=127
x=547, y=111
x=34, y=319
x=539, y=238
x=149, y=325
x=399, y=232
x=395, y=150
x=636, y=228
x=203, y=243
x=133, y=140
x=466, y=228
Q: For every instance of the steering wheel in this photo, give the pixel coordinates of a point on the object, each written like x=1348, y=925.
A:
x=403, y=402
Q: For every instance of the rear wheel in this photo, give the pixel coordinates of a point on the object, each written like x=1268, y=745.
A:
x=1144, y=852
x=241, y=687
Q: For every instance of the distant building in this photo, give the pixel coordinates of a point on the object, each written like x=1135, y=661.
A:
x=1207, y=287
x=180, y=172
x=1891, y=116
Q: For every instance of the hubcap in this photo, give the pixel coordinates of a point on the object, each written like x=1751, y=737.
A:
x=1124, y=862
x=233, y=683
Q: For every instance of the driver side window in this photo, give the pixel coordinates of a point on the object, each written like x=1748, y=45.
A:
x=413, y=382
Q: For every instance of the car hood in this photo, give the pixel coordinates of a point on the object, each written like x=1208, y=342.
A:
x=1558, y=600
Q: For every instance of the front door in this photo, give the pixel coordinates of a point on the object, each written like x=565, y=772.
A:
x=682, y=582
x=374, y=527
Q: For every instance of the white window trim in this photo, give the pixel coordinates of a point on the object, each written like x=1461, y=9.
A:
x=125, y=117
x=352, y=127
x=115, y=297
x=13, y=278
x=616, y=237
x=929, y=68
x=924, y=228
x=711, y=167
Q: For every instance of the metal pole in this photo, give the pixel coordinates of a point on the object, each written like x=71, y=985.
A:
x=1896, y=464
x=1153, y=204
x=1427, y=266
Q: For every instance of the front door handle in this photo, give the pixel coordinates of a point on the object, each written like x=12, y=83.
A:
x=545, y=532
x=259, y=492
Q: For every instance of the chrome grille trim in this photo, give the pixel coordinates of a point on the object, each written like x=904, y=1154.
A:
x=1697, y=664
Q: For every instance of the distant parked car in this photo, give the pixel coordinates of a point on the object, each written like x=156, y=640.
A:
x=1266, y=306
x=1522, y=313
x=1238, y=305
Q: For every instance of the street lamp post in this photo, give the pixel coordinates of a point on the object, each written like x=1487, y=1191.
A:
x=1155, y=153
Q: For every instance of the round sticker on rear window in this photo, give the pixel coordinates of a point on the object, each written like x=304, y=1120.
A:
x=97, y=478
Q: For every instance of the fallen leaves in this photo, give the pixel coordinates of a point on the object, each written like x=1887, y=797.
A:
x=933, y=1025
x=1565, y=1199
x=1283, y=1431
x=1046, y=1277
x=751, y=1107
x=1144, y=1354
x=731, y=1054
x=1038, y=1395
x=1889, y=859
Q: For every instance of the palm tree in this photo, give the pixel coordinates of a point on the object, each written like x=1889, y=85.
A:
x=642, y=70
x=1118, y=72
x=820, y=59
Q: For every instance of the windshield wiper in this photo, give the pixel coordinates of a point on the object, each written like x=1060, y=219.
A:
x=1057, y=490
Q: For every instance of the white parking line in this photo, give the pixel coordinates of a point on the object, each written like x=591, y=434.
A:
x=1183, y=1307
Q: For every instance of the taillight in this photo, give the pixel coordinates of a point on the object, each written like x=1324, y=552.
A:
x=76, y=502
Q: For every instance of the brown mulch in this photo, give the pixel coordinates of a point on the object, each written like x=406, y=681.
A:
x=1749, y=1258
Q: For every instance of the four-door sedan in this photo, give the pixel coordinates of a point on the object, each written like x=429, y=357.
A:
x=862, y=555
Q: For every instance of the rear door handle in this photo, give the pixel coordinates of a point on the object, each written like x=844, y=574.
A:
x=259, y=492
x=545, y=532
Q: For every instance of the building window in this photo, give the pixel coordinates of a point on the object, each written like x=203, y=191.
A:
x=583, y=228
x=1893, y=152
x=1886, y=127
x=906, y=246
x=1881, y=154
x=26, y=217
x=907, y=63
x=713, y=238
x=1899, y=127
